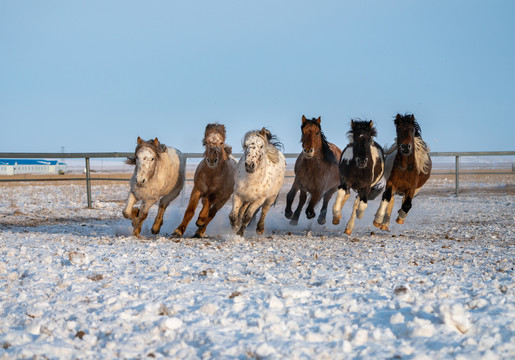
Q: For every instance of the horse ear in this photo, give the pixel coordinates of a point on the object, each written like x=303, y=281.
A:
x=371, y=123
x=156, y=142
x=139, y=140
x=263, y=132
x=319, y=120
x=303, y=119
x=352, y=123
x=398, y=117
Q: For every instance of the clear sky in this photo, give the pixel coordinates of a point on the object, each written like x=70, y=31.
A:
x=91, y=76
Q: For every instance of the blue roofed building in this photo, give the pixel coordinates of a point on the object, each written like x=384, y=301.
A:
x=31, y=166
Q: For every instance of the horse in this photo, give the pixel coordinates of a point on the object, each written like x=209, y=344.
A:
x=213, y=180
x=316, y=172
x=408, y=167
x=258, y=179
x=361, y=169
x=159, y=175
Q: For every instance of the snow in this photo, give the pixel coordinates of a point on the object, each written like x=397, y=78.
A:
x=74, y=283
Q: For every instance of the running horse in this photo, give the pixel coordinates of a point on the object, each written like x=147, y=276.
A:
x=213, y=180
x=408, y=167
x=361, y=169
x=258, y=179
x=316, y=172
x=159, y=175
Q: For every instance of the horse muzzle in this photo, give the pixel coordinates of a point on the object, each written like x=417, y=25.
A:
x=405, y=149
x=250, y=167
x=362, y=163
x=141, y=183
x=309, y=153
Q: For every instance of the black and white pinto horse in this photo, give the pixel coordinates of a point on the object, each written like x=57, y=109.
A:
x=361, y=169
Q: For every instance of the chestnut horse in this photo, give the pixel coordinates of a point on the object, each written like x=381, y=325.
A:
x=316, y=172
x=159, y=174
x=408, y=166
x=361, y=169
x=213, y=181
x=258, y=179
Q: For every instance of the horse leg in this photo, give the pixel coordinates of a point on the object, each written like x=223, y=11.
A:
x=310, y=210
x=323, y=211
x=142, y=215
x=363, y=203
x=302, y=200
x=260, y=229
x=381, y=219
x=217, y=205
x=352, y=219
x=204, y=213
x=188, y=214
x=289, y=199
x=235, y=216
x=252, y=208
x=163, y=204
x=406, y=206
x=342, y=196
x=129, y=211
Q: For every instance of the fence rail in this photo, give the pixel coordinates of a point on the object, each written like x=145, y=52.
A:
x=96, y=155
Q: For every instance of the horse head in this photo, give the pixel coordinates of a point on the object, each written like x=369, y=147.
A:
x=311, y=136
x=407, y=129
x=214, y=142
x=254, y=149
x=362, y=133
x=146, y=156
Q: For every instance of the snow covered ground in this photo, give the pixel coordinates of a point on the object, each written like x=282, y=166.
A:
x=74, y=283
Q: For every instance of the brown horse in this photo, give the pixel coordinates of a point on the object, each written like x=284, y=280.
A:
x=316, y=172
x=408, y=166
x=213, y=181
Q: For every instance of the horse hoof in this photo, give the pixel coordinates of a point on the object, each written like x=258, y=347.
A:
x=310, y=215
x=240, y=232
x=321, y=221
x=399, y=221
x=260, y=231
x=384, y=227
x=155, y=232
x=336, y=221
x=176, y=234
x=348, y=231
x=377, y=225
x=294, y=222
x=198, y=235
x=288, y=214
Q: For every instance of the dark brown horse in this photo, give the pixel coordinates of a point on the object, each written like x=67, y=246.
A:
x=408, y=166
x=361, y=169
x=316, y=172
x=213, y=181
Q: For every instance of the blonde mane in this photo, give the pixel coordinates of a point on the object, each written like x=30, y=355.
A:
x=422, y=155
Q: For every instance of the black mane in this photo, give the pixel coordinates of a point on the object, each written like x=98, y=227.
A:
x=410, y=119
x=327, y=154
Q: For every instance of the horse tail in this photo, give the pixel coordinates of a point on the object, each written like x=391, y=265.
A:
x=377, y=189
x=388, y=149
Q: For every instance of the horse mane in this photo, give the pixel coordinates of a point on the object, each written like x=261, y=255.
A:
x=272, y=143
x=422, y=155
x=360, y=124
x=327, y=154
x=214, y=134
x=154, y=145
x=408, y=118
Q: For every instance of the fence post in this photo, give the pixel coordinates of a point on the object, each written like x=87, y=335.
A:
x=457, y=175
x=88, y=183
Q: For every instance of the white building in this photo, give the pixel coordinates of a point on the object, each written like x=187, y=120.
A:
x=31, y=166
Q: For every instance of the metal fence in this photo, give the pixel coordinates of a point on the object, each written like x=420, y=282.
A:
x=110, y=155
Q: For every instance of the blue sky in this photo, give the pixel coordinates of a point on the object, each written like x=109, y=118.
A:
x=91, y=76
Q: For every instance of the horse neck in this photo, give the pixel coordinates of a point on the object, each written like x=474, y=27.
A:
x=405, y=162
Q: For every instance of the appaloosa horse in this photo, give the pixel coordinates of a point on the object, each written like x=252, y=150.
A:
x=213, y=181
x=258, y=179
x=408, y=167
x=316, y=172
x=361, y=169
x=159, y=174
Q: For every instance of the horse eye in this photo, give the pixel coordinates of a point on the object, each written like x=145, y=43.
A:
x=318, y=132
